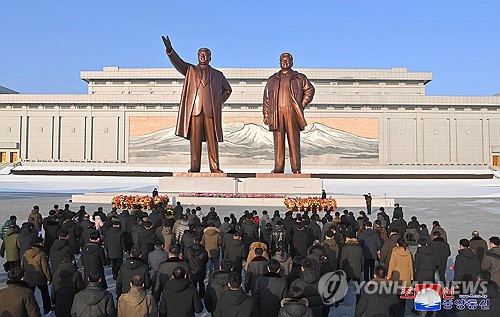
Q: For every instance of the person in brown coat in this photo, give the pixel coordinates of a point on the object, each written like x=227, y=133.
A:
x=37, y=270
x=137, y=302
x=386, y=251
x=17, y=298
x=212, y=242
x=478, y=245
x=36, y=218
x=401, y=263
x=491, y=260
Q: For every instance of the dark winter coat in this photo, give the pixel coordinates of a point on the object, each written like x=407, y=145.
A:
x=217, y=284
x=94, y=259
x=197, y=258
x=308, y=282
x=352, y=260
x=440, y=230
x=59, y=248
x=130, y=268
x=266, y=235
x=376, y=304
x=314, y=230
x=479, y=246
x=147, y=238
x=467, y=266
x=235, y=304
x=270, y=289
x=85, y=237
x=155, y=258
x=74, y=234
x=386, y=251
x=295, y=308
x=491, y=262
x=285, y=260
x=425, y=265
x=26, y=238
x=256, y=268
x=114, y=243
x=441, y=251
x=18, y=300
x=36, y=266
x=279, y=235
x=424, y=234
x=370, y=242
x=93, y=301
x=67, y=282
x=188, y=239
x=51, y=227
x=301, y=241
x=234, y=251
x=249, y=231
x=165, y=271
x=179, y=299
x=400, y=224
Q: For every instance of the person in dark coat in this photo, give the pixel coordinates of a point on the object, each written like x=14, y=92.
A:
x=478, y=245
x=270, y=289
x=398, y=212
x=424, y=233
x=234, y=251
x=17, y=298
x=60, y=247
x=313, y=228
x=166, y=269
x=249, y=231
x=384, y=217
x=441, y=251
x=178, y=209
x=147, y=238
x=67, y=282
x=308, y=283
x=188, y=237
x=74, y=233
x=157, y=257
x=371, y=244
x=295, y=304
x=85, y=237
x=352, y=260
x=491, y=260
x=467, y=265
x=27, y=235
x=386, y=251
x=216, y=285
x=197, y=258
x=94, y=259
x=114, y=245
x=131, y=267
x=279, y=236
x=378, y=303
x=295, y=271
x=256, y=268
x=51, y=228
x=425, y=265
x=93, y=301
x=266, y=234
x=399, y=224
x=179, y=299
x=301, y=240
x=234, y=302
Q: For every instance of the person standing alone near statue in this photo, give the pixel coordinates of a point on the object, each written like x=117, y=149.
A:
x=200, y=110
x=286, y=95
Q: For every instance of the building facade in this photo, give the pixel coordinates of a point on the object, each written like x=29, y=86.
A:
x=359, y=118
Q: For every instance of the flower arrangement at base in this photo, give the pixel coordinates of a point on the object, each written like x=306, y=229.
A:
x=231, y=195
x=144, y=202
x=310, y=204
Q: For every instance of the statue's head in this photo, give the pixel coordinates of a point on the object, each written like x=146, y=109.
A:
x=286, y=61
x=204, y=56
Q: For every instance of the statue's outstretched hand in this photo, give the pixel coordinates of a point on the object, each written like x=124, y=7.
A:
x=167, y=43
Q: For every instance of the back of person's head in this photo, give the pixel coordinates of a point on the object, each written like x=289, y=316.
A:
x=16, y=274
x=495, y=241
x=436, y=234
x=37, y=207
x=52, y=212
x=422, y=242
x=158, y=244
x=394, y=231
x=37, y=241
x=94, y=236
x=378, y=222
x=135, y=252
x=323, y=259
x=94, y=276
x=297, y=261
x=259, y=251
x=67, y=258
x=402, y=243
x=368, y=224
x=380, y=272
x=464, y=243
x=173, y=251
x=330, y=234
x=227, y=219
x=63, y=233
x=307, y=265
x=137, y=280
x=179, y=273
x=234, y=280
x=423, y=226
x=483, y=275
x=13, y=218
x=435, y=223
x=226, y=265
x=192, y=227
x=274, y=266
x=295, y=293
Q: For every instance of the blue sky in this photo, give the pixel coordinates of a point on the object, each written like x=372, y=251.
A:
x=45, y=44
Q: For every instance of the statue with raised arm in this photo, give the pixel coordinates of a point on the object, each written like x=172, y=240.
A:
x=286, y=95
x=200, y=110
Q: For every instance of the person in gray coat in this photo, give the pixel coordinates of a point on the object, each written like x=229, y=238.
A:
x=93, y=301
x=371, y=244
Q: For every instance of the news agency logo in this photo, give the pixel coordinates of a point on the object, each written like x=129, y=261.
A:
x=332, y=287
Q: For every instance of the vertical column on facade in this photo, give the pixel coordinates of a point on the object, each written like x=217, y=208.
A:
x=485, y=135
x=118, y=138
x=21, y=139
x=419, y=138
x=27, y=136
x=59, y=134
x=125, y=136
x=387, y=145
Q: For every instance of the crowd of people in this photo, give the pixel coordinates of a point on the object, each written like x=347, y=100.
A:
x=179, y=262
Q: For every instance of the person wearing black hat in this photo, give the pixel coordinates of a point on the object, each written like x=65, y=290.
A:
x=300, y=239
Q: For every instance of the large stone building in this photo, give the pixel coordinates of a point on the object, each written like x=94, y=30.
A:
x=359, y=118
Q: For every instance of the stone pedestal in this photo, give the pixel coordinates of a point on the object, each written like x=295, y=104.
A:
x=286, y=184
x=198, y=182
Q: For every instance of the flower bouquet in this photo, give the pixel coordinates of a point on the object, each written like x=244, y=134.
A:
x=144, y=202
x=310, y=204
x=231, y=195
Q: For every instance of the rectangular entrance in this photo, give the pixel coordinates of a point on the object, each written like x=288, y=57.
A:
x=4, y=157
x=495, y=160
x=13, y=157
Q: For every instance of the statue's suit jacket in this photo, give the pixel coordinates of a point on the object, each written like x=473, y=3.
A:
x=302, y=92
x=221, y=90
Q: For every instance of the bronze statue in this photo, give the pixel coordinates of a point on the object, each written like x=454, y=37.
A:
x=286, y=95
x=200, y=110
